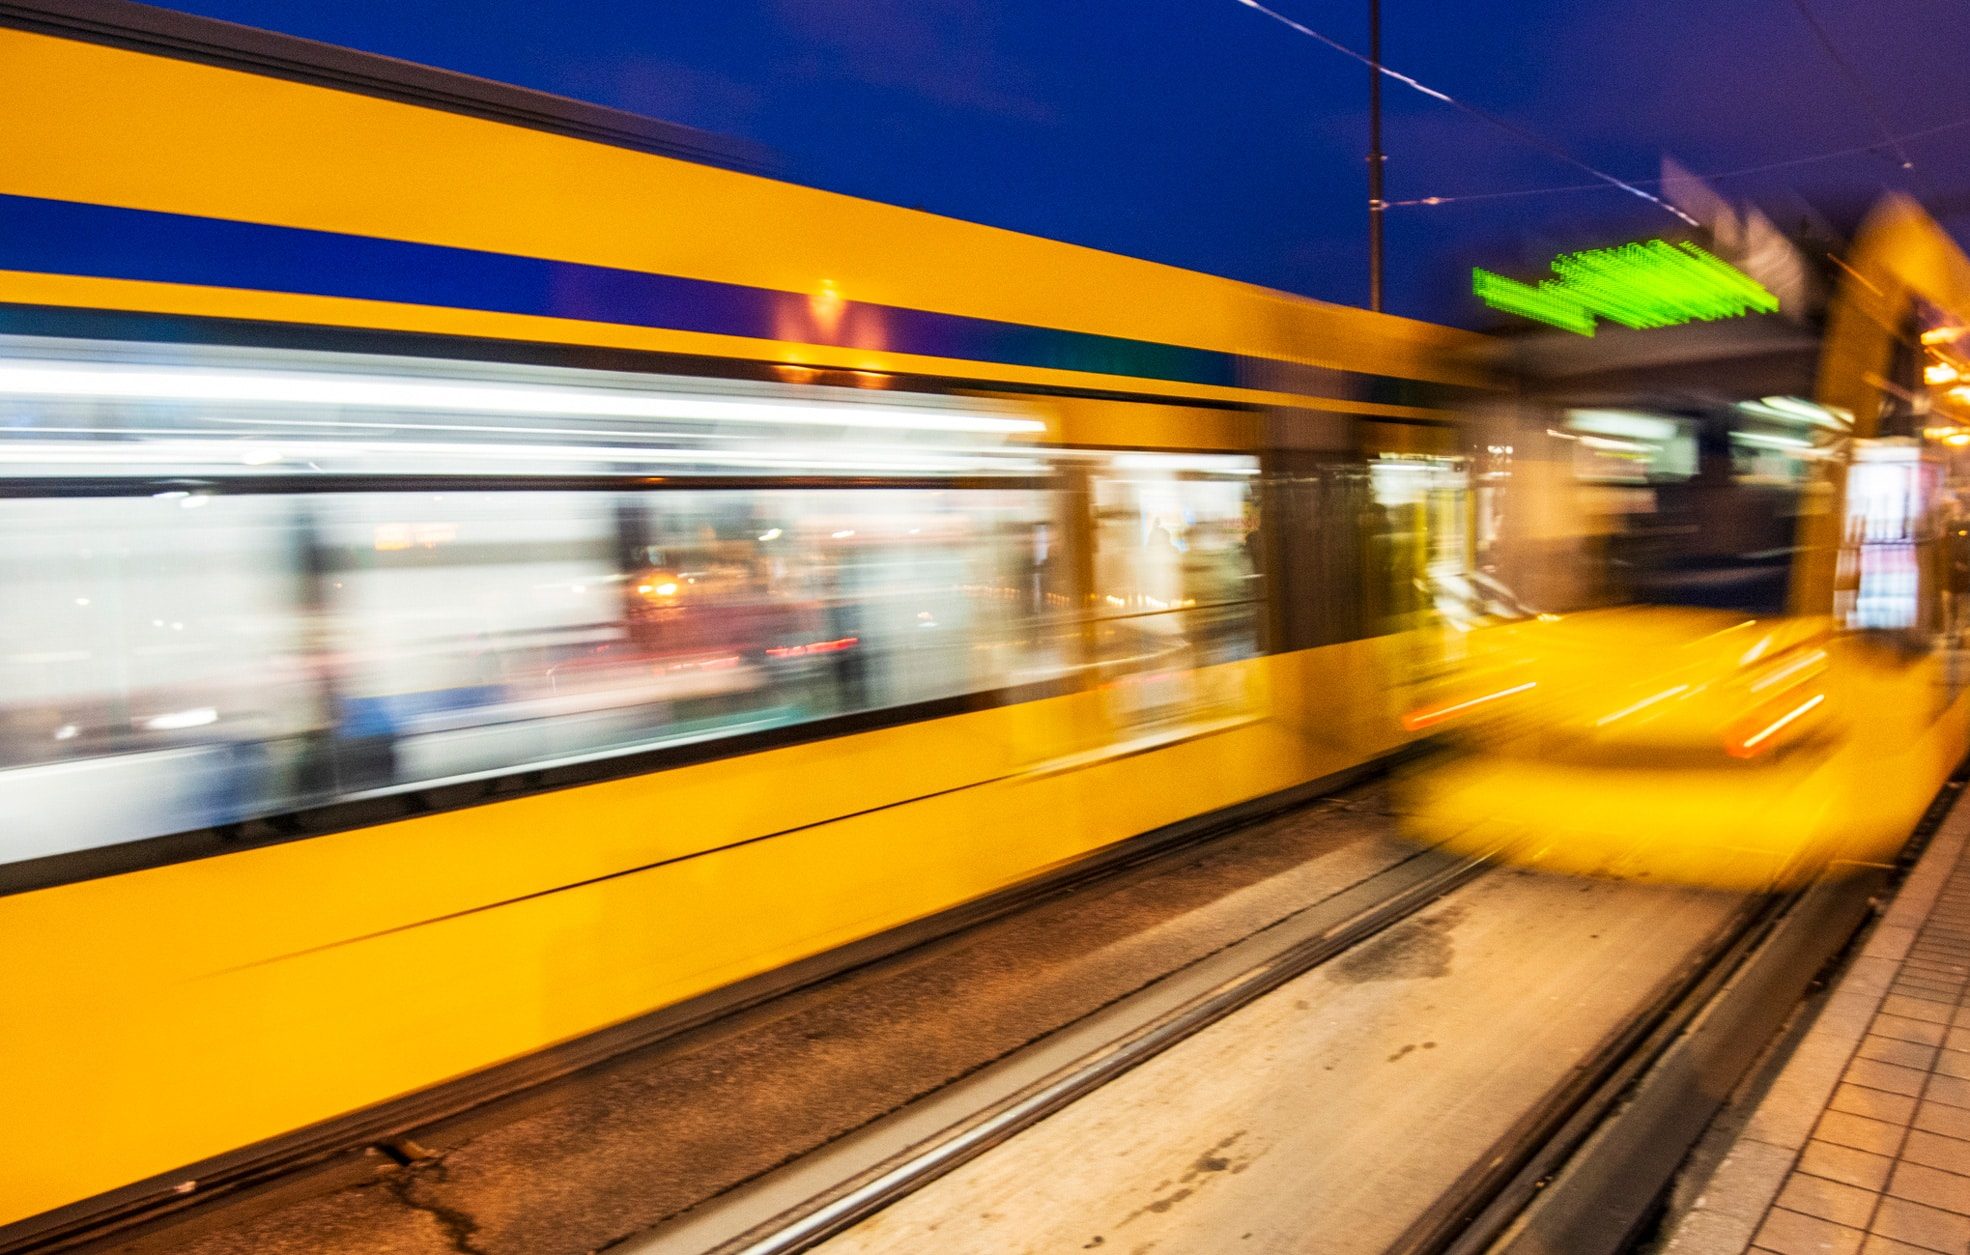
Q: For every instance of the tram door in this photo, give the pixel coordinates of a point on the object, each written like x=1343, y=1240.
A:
x=1421, y=538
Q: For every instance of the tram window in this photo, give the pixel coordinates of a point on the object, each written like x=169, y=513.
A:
x=149, y=653
x=1418, y=546
x=1176, y=581
x=168, y=665
x=1631, y=447
x=1696, y=508
x=1314, y=510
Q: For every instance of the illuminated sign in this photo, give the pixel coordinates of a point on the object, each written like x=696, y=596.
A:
x=1650, y=284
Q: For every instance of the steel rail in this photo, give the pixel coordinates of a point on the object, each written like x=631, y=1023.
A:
x=832, y=1212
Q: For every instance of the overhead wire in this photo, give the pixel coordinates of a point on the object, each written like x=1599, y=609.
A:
x=1741, y=171
x=1523, y=134
x=1857, y=85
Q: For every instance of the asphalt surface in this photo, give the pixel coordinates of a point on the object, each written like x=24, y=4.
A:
x=610, y=1153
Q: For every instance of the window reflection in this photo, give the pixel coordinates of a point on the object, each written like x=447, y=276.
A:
x=169, y=668
x=241, y=583
x=1176, y=580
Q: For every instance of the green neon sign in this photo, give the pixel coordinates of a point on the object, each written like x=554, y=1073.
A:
x=1650, y=284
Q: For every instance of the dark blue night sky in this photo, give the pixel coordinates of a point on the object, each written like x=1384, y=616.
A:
x=1201, y=133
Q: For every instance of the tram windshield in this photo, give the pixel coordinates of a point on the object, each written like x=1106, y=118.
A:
x=1697, y=506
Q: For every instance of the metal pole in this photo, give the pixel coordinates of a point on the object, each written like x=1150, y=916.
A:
x=1375, y=157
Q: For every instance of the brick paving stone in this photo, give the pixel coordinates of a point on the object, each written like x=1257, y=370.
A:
x=1917, y=973
x=1907, y=1054
x=1875, y=1104
x=1878, y=1245
x=1886, y=1076
x=1902, y=1027
x=1941, y=967
x=1953, y=1063
x=1917, y=985
x=1926, y=968
x=1936, y=1117
x=1950, y=1090
x=1858, y=1167
x=1842, y=1204
x=1859, y=1132
x=1791, y=1233
x=1933, y=969
x=1933, y=1150
x=1936, y=955
x=1957, y=1039
x=1923, y=987
x=1924, y=1226
x=1916, y=1008
x=1932, y=1187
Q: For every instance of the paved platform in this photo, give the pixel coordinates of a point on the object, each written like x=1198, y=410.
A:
x=1862, y=1142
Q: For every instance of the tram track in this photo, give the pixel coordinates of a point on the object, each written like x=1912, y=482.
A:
x=1473, y=1216
x=1369, y=910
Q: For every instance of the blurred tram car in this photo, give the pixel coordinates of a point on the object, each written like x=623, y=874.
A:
x=487, y=582
x=1750, y=539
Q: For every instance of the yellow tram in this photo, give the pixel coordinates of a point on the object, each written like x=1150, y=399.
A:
x=480, y=574
x=1777, y=691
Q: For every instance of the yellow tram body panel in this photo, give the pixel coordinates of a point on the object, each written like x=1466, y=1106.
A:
x=212, y=1004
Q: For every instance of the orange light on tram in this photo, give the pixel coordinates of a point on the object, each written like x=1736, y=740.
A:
x=1429, y=716
x=827, y=305
x=1765, y=731
x=658, y=586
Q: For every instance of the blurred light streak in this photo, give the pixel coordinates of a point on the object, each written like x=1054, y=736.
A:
x=1415, y=721
x=1750, y=745
x=97, y=382
x=1642, y=705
